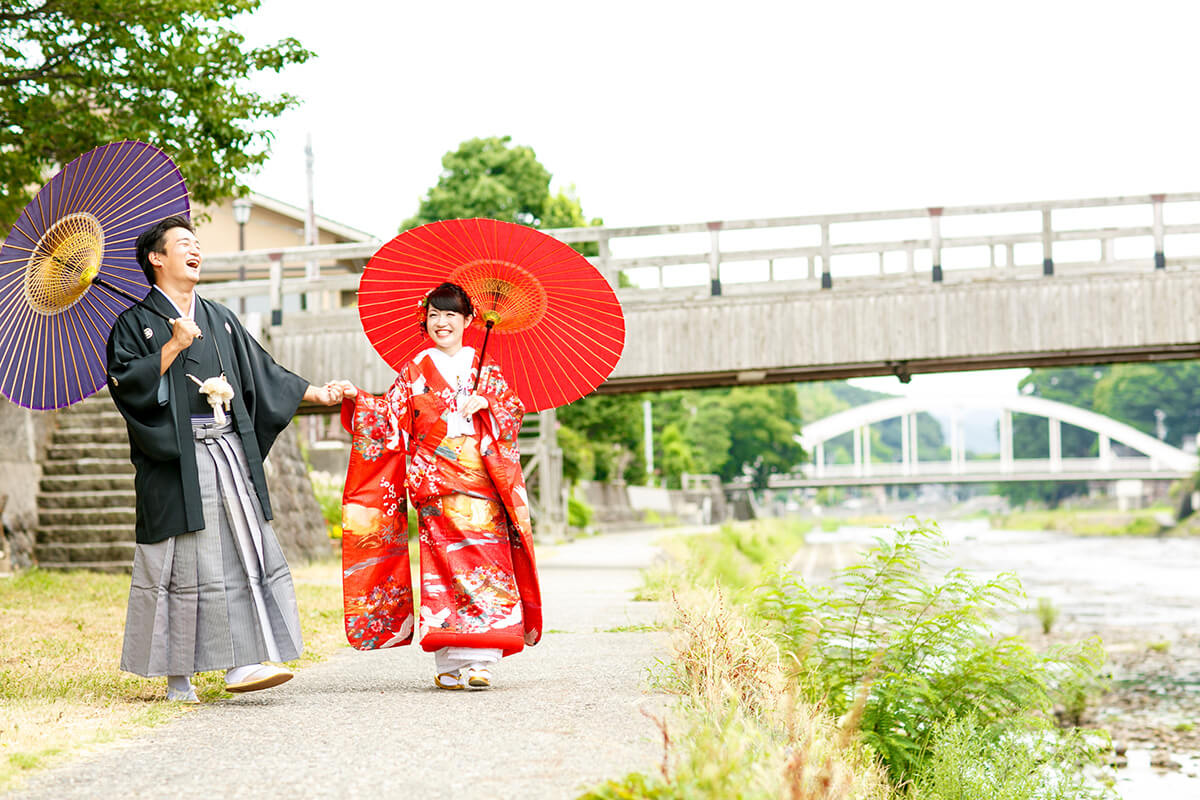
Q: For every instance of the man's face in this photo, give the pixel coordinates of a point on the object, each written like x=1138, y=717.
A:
x=179, y=264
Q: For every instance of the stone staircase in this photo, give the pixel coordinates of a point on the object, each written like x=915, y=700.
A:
x=86, y=498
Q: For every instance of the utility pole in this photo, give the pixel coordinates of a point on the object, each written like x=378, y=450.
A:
x=312, y=270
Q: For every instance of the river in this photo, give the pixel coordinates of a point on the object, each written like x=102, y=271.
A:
x=1140, y=595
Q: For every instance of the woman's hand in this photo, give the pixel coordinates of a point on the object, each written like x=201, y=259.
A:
x=471, y=405
x=349, y=390
x=327, y=395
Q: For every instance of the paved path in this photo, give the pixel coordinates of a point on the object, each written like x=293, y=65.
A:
x=562, y=715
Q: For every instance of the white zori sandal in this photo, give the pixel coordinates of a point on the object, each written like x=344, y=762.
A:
x=253, y=677
x=478, y=676
x=449, y=680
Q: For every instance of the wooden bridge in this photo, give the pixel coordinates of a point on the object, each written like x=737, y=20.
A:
x=828, y=296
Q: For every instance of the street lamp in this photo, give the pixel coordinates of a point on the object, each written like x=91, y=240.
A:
x=241, y=215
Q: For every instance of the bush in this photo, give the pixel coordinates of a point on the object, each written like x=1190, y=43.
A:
x=924, y=649
x=579, y=513
x=328, y=491
x=968, y=762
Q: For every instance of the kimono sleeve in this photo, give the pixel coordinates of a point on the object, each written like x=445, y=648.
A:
x=507, y=409
x=134, y=378
x=376, y=578
x=271, y=393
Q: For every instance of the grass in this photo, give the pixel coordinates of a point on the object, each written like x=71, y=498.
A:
x=61, y=689
x=765, y=711
x=733, y=558
x=1142, y=522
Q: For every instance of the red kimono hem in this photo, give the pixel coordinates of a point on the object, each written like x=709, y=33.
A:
x=509, y=643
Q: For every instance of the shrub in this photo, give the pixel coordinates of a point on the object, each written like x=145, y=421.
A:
x=328, y=491
x=579, y=513
x=968, y=762
x=1047, y=613
x=924, y=649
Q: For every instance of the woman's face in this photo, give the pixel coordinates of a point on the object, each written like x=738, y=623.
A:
x=446, y=329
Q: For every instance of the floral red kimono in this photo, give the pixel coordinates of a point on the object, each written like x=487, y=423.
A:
x=479, y=585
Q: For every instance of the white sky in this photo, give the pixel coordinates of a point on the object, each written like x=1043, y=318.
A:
x=690, y=111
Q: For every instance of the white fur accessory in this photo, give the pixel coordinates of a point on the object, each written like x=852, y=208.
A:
x=219, y=393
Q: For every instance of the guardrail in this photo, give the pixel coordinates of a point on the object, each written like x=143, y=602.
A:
x=1024, y=243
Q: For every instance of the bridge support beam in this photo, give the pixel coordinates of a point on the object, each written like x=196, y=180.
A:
x=1047, y=244
x=1055, y=445
x=1006, y=441
x=1160, y=257
x=935, y=242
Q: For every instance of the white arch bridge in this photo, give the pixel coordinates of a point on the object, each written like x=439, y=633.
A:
x=1138, y=456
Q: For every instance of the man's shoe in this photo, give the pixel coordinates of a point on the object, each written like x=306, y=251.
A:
x=254, y=677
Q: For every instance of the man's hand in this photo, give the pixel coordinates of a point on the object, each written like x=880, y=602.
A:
x=327, y=395
x=471, y=405
x=183, y=331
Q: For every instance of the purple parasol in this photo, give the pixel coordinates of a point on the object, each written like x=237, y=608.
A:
x=69, y=267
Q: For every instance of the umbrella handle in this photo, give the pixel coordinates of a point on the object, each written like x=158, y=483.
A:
x=482, y=350
x=99, y=282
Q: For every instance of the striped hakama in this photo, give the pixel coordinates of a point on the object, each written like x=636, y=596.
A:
x=219, y=597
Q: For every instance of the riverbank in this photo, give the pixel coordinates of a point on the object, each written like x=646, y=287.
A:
x=1153, y=521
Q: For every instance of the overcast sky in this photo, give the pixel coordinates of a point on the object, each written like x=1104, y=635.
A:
x=680, y=112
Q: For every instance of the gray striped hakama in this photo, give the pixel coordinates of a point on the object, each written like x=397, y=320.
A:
x=216, y=598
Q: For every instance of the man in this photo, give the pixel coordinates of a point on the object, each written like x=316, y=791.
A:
x=203, y=404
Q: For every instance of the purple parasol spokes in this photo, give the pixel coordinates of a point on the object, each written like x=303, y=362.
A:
x=69, y=267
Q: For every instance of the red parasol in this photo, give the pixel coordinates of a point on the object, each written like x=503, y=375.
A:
x=546, y=315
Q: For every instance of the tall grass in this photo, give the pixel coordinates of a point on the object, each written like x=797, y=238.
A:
x=926, y=646
x=886, y=683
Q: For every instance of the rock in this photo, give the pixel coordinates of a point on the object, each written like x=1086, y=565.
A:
x=1163, y=760
x=1120, y=747
x=1119, y=762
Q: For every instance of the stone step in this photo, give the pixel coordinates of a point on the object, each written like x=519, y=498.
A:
x=87, y=499
x=74, y=452
x=61, y=517
x=86, y=553
x=116, y=567
x=91, y=435
x=90, y=466
x=80, y=534
x=86, y=483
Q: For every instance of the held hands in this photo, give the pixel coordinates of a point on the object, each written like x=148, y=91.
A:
x=349, y=390
x=327, y=395
x=471, y=405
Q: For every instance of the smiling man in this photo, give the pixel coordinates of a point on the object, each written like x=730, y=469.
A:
x=203, y=402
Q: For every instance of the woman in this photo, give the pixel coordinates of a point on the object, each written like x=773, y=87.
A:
x=452, y=443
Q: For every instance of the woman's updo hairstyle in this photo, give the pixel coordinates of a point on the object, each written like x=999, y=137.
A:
x=447, y=297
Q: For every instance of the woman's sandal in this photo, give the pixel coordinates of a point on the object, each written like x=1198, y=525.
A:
x=479, y=677
x=448, y=680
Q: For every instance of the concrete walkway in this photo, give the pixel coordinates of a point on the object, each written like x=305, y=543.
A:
x=561, y=716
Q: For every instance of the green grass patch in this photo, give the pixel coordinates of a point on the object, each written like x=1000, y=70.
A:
x=1142, y=522
x=889, y=681
x=61, y=688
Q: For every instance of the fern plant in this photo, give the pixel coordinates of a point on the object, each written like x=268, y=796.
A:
x=922, y=650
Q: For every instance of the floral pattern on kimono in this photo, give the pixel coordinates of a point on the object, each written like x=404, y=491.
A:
x=479, y=585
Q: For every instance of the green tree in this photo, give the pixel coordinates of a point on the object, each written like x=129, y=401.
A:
x=1141, y=394
x=75, y=74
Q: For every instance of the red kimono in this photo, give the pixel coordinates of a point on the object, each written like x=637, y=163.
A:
x=479, y=585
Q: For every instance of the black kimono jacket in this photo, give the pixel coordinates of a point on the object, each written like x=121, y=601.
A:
x=161, y=447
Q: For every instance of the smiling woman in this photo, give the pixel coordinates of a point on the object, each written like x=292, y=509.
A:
x=445, y=432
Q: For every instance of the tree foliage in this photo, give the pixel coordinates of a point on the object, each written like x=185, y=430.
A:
x=1162, y=398
x=495, y=179
x=76, y=74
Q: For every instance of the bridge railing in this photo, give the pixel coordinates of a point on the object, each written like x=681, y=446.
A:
x=857, y=249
